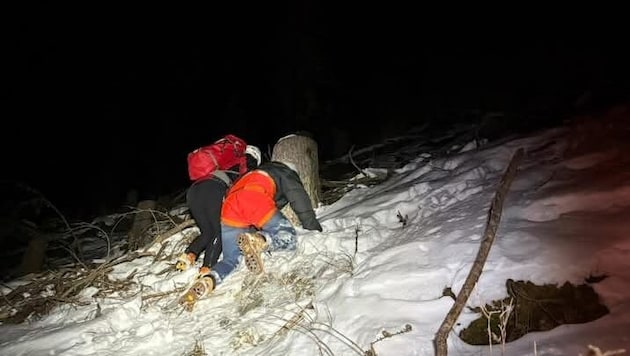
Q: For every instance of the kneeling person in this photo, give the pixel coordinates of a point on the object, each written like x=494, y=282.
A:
x=251, y=220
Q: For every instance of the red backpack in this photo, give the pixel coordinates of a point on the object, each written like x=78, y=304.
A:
x=223, y=154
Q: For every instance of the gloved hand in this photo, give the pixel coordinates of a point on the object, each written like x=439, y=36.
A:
x=315, y=226
x=204, y=271
x=184, y=261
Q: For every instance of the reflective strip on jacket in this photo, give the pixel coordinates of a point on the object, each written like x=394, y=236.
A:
x=250, y=201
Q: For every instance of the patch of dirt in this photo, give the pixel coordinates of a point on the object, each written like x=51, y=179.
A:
x=534, y=308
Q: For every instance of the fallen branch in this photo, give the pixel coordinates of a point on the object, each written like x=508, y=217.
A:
x=101, y=271
x=85, y=281
x=128, y=258
x=163, y=294
x=165, y=235
x=494, y=217
x=354, y=163
x=411, y=137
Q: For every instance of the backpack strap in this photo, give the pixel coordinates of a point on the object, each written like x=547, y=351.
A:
x=231, y=171
x=214, y=159
x=222, y=175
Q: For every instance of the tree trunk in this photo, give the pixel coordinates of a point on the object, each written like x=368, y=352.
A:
x=301, y=152
x=34, y=256
x=141, y=222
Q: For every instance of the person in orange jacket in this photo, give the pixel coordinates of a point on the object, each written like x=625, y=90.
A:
x=204, y=199
x=251, y=220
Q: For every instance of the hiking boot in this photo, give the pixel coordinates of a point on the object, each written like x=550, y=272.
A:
x=200, y=288
x=185, y=260
x=252, y=245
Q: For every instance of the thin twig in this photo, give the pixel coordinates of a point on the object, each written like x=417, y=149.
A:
x=69, y=250
x=163, y=294
x=92, y=226
x=356, y=240
x=86, y=281
x=160, y=238
x=159, y=253
x=354, y=164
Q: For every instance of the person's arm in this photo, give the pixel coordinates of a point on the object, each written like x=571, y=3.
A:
x=300, y=202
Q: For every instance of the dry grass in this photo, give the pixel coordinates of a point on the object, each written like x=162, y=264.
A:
x=198, y=350
x=596, y=351
x=304, y=321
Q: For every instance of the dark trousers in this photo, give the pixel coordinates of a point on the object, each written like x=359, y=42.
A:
x=204, y=200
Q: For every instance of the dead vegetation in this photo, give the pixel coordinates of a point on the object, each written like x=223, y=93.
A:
x=348, y=172
x=534, y=308
x=47, y=290
x=41, y=292
x=305, y=321
x=197, y=350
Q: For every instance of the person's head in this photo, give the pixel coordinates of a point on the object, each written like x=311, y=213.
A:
x=254, y=157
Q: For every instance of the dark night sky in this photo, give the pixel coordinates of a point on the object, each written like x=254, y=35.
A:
x=96, y=103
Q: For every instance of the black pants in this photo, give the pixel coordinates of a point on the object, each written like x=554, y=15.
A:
x=204, y=200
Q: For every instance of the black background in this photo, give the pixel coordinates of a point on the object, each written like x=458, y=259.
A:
x=99, y=100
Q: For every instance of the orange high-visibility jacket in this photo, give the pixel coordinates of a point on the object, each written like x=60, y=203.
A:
x=250, y=201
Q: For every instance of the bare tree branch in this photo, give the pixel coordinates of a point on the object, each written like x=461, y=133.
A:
x=165, y=235
x=494, y=217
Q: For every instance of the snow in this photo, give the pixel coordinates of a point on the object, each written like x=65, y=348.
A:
x=566, y=217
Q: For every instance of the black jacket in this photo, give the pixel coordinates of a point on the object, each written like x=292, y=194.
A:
x=290, y=190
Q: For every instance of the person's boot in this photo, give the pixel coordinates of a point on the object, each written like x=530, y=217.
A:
x=252, y=245
x=204, y=285
x=185, y=260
